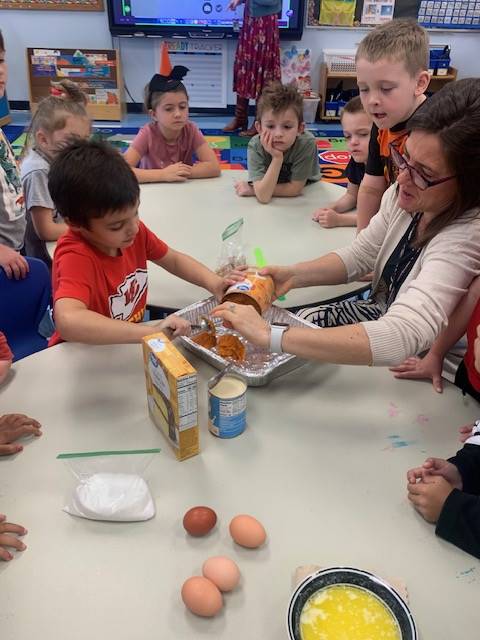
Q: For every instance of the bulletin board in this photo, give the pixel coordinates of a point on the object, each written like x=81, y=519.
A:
x=54, y=5
x=96, y=71
x=434, y=14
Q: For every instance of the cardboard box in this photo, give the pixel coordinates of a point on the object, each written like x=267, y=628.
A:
x=172, y=394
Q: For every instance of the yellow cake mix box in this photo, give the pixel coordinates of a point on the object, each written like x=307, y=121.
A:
x=171, y=394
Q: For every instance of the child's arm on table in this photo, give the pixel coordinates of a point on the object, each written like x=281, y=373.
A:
x=45, y=227
x=76, y=323
x=336, y=214
x=189, y=269
x=207, y=165
x=430, y=366
x=178, y=172
x=369, y=198
x=8, y=540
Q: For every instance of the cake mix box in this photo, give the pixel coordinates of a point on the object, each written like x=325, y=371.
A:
x=172, y=394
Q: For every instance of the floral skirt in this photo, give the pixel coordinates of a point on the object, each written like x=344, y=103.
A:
x=257, y=61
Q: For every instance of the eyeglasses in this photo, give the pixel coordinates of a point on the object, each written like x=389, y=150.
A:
x=416, y=177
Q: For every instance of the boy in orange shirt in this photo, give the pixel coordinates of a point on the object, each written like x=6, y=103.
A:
x=392, y=76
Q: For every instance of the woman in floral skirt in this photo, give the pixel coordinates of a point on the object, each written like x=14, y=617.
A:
x=257, y=61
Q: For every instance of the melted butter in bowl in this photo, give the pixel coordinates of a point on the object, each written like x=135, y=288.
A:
x=345, y=612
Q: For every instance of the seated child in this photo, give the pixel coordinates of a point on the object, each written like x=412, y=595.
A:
x=283, y=157
x=58, y=118
x=356, y=128
x=163, y=150
x=447, y=493
x=100, y=264
x=8, y=540
x=6, y=358
x=12, y=211
x=447, y=357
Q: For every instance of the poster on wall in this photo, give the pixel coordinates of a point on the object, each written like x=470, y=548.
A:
x=206, y=60
x=377, y=11
x=337, y=12
x=296, y=66
x=54, y=5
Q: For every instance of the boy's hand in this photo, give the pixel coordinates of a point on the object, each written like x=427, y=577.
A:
x=428, y=496
x=436, y=467
x=7, y=540
x=243, y=189
x=266, y=138
x=222, y=284
x=466, y=431
x=174, y=326
x=282, y=278
x=234, y=4
x=14, y=426
x=327, y=218
x=178, y=172
x=13, y=263
x=415, y=368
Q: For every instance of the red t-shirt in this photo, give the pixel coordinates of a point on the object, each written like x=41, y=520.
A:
x=473, y=375
x=115, y=286
x=5, y=353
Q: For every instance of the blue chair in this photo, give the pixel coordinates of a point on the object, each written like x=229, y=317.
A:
x=23, y=304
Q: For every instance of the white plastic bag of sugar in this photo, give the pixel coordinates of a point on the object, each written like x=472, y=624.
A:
x=110, y=485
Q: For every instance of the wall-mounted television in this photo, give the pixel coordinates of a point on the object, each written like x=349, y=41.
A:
x=193, y=18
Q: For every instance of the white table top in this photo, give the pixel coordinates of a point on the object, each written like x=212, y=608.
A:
x=191, y=217
x=320, y=473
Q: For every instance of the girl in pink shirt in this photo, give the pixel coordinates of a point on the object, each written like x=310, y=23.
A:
x=163, y=150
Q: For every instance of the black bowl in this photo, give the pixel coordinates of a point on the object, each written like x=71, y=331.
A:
x=352, y=577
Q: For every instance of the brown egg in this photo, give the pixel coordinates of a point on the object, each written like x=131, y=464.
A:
x=247, y=531
x=201, y=596
x=198, y=521
x=222, y=571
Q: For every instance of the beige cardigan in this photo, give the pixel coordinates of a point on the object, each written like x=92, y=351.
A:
x=439, y=278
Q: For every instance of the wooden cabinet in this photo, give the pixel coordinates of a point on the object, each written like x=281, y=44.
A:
x=330, y=79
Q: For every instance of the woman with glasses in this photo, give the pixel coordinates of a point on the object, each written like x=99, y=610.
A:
x=423, y=247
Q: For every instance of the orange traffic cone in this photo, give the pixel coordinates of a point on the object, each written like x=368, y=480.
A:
x=165, y=64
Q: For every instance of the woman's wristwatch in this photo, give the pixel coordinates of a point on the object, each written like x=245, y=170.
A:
x=277, y=329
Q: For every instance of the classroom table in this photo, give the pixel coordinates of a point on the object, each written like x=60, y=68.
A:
x=322, y=465
x=191, y=217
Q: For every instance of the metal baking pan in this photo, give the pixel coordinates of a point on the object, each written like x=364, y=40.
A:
x=259, y=366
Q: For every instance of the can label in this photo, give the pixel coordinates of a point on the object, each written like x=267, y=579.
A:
x=227, y=416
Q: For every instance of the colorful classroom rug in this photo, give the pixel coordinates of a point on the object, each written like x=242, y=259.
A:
x=230, y=149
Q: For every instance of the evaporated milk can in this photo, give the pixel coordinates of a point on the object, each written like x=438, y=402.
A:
x=227, y=407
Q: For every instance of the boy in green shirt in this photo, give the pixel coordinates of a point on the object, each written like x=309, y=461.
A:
x=283, y=157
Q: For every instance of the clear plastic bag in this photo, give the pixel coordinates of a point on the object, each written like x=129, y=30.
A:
x=110, y=485
x=232, y=253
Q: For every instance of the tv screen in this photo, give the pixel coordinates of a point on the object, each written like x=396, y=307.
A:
x=193, y=18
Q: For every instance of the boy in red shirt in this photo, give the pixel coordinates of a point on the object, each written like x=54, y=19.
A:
x=100, y=263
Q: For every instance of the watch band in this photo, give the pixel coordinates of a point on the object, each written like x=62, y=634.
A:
x=276, y=335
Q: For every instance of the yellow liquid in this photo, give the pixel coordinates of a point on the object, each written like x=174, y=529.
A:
x=343, y=612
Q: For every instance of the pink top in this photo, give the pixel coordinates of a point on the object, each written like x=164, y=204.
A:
x=157, y=153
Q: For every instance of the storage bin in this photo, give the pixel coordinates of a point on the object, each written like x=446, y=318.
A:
x=310, y=106
x=340, y=60
x=331, y=109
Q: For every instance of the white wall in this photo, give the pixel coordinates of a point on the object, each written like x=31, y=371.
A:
x=67, y=29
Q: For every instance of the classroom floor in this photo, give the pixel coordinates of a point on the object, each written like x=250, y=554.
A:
x=231, y=149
